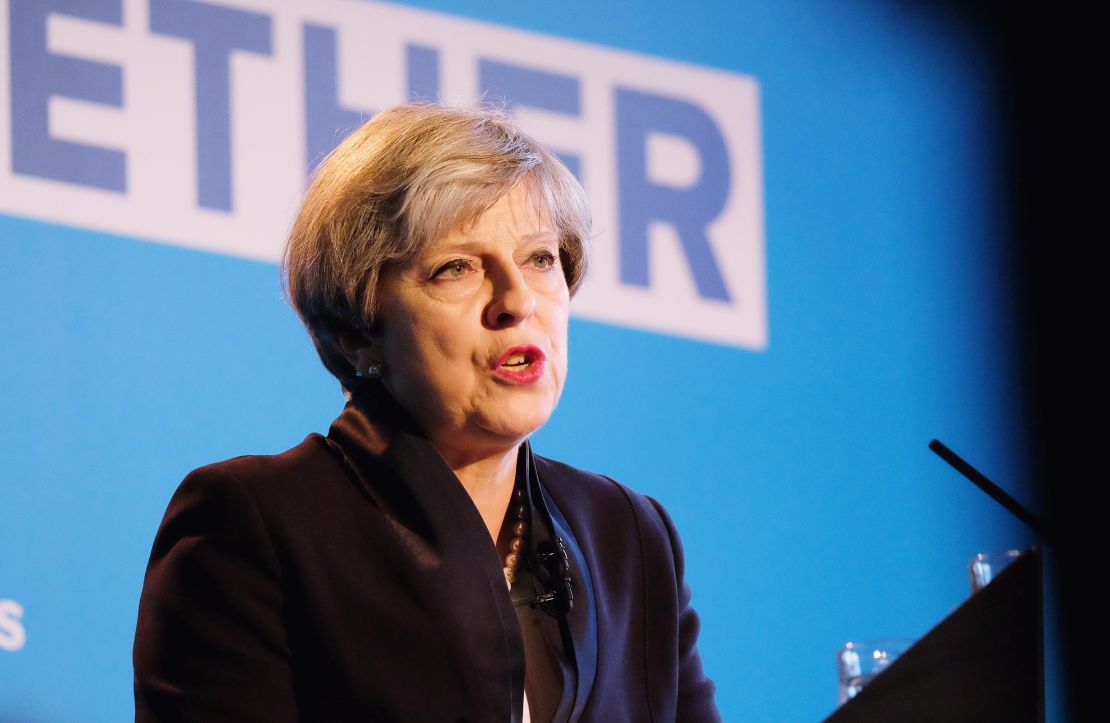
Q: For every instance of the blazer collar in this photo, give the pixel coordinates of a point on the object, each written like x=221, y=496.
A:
x=445, y=550
x=451, y=559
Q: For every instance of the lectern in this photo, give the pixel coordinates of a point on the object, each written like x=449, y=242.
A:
x=982, y=663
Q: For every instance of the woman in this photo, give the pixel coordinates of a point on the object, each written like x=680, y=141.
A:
x=420, y=563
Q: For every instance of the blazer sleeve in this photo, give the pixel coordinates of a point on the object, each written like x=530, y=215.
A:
x=696, y=691
x=210, y=643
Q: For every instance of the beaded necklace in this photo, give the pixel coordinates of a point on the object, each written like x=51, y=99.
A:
x=520, y=532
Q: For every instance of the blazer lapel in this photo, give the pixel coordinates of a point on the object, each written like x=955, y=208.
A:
x=445, y=549
x=581, y=620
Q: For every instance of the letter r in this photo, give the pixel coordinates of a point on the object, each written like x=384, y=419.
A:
x=689, y=210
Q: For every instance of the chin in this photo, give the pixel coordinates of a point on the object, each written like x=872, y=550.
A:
x=517, y=423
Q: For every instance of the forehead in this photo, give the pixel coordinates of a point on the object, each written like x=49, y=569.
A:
x=518, y=215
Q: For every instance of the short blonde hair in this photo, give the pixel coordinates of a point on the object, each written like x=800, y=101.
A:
x=407, y=177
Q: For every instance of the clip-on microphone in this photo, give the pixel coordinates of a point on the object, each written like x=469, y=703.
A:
x=559, y=599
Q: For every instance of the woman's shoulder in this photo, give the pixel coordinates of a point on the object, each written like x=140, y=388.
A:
x=272, y=485
x=310, y=452
x=586, y=489
x=597, y=499
x=257, y=473
x=264, y=502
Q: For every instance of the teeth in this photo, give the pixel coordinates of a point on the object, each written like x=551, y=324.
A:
x=515, y=360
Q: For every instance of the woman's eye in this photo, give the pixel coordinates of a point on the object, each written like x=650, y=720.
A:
x=454, y=269
x=543, y=259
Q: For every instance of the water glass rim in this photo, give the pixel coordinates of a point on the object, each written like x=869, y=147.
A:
x=872, y=643
x=982, y=556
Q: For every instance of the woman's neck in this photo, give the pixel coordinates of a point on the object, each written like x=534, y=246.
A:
x=489, y=480
x=485, y=467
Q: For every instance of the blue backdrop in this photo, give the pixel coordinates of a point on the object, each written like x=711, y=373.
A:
x=798, y=474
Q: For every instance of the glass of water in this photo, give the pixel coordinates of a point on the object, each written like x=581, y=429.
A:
x=858, y=662
x=985, y=566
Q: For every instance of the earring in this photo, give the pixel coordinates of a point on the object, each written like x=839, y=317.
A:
x=374, y=370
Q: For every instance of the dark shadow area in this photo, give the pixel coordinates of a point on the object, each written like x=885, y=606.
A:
x=1048, y=81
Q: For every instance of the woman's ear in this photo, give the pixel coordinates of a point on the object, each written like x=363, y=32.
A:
x=359, y=351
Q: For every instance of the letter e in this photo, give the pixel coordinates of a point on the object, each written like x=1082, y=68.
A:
x=37, y=74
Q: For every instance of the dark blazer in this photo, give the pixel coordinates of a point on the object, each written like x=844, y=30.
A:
x=352, y=579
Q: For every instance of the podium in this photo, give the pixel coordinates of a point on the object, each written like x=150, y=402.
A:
x=982, y=663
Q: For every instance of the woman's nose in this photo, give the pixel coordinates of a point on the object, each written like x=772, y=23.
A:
x=513, y=299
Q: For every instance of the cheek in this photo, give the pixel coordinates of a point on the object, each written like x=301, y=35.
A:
x=558, y=332
x=411, y=358
x=425, y=379
x=431, y=355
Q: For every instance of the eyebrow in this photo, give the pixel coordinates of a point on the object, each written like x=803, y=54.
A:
x=476, y=247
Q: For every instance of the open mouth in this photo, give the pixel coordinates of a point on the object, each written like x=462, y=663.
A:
x=520, y=363
x=517, y=361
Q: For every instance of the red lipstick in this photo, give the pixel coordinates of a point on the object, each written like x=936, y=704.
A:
x=520, y=364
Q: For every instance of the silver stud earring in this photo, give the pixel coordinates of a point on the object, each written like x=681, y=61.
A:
x=374, y=370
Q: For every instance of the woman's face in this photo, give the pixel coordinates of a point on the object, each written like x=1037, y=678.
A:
x=474, y=330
